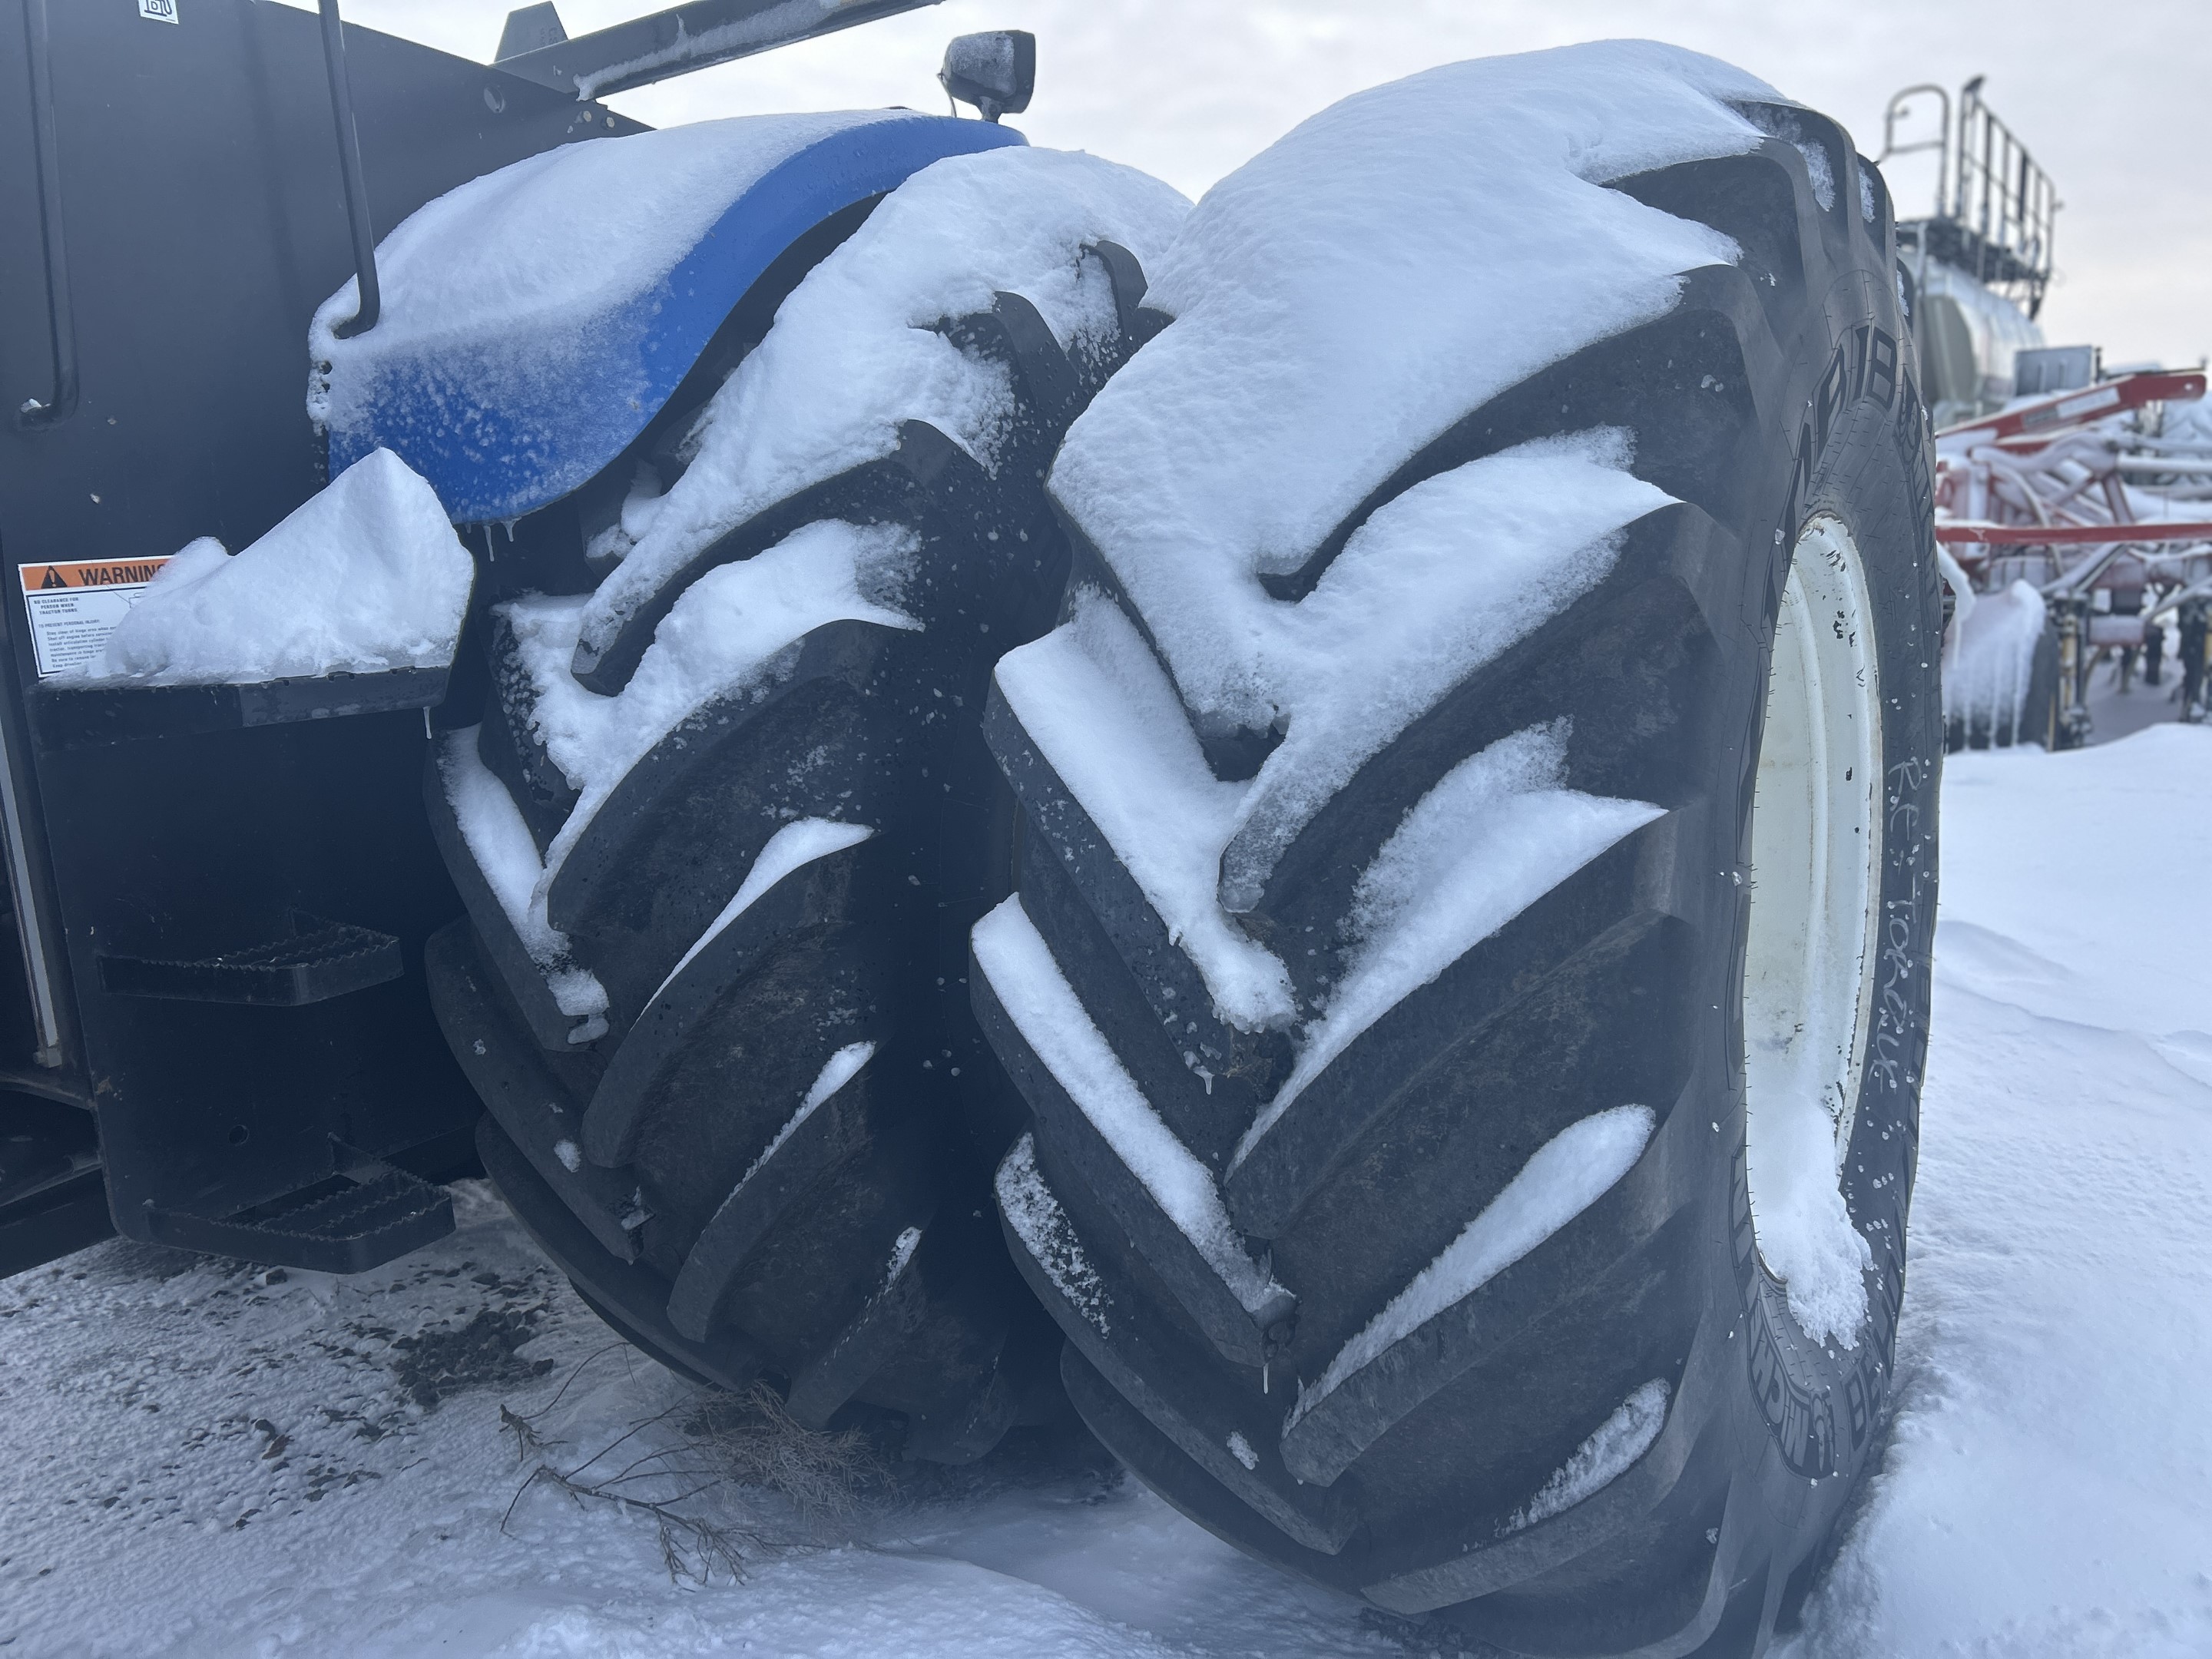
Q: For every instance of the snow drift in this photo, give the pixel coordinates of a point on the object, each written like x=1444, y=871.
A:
x=366, y=576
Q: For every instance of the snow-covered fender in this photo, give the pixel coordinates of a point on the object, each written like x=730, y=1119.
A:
x=536, y=319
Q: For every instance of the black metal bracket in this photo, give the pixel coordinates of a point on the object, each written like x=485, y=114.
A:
x=685, y=37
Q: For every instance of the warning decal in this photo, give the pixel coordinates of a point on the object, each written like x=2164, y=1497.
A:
x=74, y=607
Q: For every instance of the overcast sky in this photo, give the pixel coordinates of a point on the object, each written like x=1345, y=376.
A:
x=2112, y=98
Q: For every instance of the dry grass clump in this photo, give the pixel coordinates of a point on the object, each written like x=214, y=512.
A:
x=698, y=1469
x=822, y=1475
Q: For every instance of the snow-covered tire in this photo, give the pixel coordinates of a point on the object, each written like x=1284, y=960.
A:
x=1390, y=1168
x=712, y=997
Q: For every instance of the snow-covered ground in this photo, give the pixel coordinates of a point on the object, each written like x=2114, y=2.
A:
x=2048, y=1487
x=200, y=1462
x=2115, y=714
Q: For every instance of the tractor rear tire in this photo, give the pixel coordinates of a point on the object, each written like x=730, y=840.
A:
x=1622, y=1436
x=2040, y=722
x=767, y=1149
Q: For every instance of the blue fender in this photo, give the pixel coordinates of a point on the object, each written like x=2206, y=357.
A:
x=530, y=405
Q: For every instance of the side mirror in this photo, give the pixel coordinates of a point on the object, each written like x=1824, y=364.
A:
x=996, y=72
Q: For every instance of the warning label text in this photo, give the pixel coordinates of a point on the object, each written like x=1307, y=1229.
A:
x=74, y=606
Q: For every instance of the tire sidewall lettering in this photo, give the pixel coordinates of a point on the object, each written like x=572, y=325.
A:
x=1860, y=452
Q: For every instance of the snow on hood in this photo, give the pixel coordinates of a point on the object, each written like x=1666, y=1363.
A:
x=533, y=255
x=535, y=318
x=560, y=238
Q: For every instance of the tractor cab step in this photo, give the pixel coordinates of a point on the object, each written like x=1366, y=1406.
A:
x=364, y=1215
x=319, y=960
x=73, y=717
x=53, y=1190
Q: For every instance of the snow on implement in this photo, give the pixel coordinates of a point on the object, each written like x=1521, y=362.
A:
x=1339, y=785
x=2038, y=517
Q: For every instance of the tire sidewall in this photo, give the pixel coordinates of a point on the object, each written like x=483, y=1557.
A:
x=1860, y=453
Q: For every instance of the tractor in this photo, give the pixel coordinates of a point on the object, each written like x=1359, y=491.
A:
x=1305, y=823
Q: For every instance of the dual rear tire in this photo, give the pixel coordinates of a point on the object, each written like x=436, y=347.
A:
x=1557, y=1300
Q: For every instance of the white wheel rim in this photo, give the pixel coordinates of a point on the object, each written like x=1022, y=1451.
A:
x=1809, y=953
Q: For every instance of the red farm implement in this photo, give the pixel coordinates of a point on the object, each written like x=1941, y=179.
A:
x=2073, y=507
x=2056, y=494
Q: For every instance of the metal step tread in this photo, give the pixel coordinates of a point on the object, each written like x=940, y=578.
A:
x=44, y=1222
x=363, y=1217
x=72, y=718
x=319, y=960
